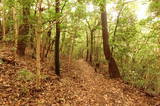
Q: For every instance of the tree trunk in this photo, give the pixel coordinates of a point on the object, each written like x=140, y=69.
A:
x=57, y=39
x=1, y=30
x=113, y=68
x=71, y=46
x=63, y=42
x=3, y=21
x=87, y=41
x=48, y=43
x=49, y=47
x=15, y=27
x=91, y=52
x=38, y=43
x=23, y=31
x=94, y=48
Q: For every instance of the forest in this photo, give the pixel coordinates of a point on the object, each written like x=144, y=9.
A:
x=80, y=52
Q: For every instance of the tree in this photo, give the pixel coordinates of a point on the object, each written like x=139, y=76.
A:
x=38, y=41
x=24, y=28
x=3, y=19
x=1, y=32
x=15, y=25
x=92, y=30
x=87, y=45
x=113, y=68
x=57, y=39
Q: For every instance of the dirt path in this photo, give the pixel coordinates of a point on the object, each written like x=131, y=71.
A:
x=107, y=92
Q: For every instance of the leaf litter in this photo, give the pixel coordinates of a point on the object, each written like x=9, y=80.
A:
x=79, y=85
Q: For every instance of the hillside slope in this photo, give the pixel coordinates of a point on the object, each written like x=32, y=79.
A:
x=79, y=85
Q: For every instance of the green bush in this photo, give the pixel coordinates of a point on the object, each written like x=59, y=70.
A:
x=25, y=75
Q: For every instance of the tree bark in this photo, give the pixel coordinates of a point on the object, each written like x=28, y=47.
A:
x=3, y=21
x=38, y=43
x=1, y=27
x=92, y=30
x=1, y=30
x=113, y=68
x=63, y=42
x=71, y=46
x=15, y=27
x=87, y=41
x=57, y=39
x=91, y=52
x=23, y=31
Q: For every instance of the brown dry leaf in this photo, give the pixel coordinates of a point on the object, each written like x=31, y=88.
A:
x=79, y=86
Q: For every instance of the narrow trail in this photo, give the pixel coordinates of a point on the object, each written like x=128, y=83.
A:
x=91, y=81
x=107, y=92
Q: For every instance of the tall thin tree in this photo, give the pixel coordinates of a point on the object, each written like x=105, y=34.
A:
x=3, y=19
x=113, y=68
x=87, y=45
x=15, y=26
x=24, y=28
x=57, y=39
x=38, y=41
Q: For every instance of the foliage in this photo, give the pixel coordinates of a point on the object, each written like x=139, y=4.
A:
x=25, y=75
x=134, y=44
x=155, y=7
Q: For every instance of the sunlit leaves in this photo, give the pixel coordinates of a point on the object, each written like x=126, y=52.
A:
x=26, y=3
x=155, y=7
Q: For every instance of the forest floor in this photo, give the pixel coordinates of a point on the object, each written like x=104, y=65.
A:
x=79, y=85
